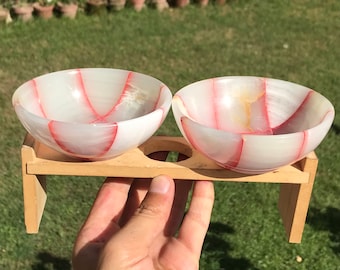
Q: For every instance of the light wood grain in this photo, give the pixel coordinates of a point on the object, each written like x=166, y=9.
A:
x=296, y=180
x=136, y=163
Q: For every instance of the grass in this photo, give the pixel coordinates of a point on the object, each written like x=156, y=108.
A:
x=291, y=40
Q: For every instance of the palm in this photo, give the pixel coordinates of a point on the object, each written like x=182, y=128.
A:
x=121, y=226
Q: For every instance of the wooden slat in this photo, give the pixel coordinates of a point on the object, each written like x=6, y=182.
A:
x=294, y=201
x=135, y=163
x=34, y=189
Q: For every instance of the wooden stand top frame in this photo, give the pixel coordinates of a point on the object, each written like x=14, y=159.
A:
x=42, y=160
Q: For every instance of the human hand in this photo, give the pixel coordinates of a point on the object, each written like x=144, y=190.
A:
x=137, y=225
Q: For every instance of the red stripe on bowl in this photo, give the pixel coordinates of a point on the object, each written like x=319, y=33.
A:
x=37, y=97
x=82, y=87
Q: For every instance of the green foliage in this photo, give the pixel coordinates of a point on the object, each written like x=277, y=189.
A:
x=46, y=2
x=69, y=1
x=290, y=40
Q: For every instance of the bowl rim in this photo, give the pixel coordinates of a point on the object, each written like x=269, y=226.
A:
x=164, y=106
x=176, y=96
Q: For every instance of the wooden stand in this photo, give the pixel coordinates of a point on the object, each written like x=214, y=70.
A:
x=39, y=160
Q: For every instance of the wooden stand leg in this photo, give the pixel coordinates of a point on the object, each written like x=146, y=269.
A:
x=294, y=201
x=34, y=201
x=34, y=191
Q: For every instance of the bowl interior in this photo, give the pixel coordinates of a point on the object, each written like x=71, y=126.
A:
x=90, y=95
x=252, y=105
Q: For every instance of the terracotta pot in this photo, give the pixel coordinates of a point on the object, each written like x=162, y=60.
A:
x=23, y=12
x=220, y=2
x=138, y=4
x=203, y=3
x=160, y=4
x=95, y=7
x=5, y=15
x=182, y=3
x=116, y=5
x=67, y=10
x=45, y=12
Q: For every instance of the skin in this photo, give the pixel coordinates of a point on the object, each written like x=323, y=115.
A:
x=140, y=224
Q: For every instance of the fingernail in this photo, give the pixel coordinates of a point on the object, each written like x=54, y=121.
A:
x=160, y=184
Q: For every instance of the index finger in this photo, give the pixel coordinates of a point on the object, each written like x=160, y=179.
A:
x=105, y=213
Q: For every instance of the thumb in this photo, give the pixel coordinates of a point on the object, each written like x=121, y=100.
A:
x=130, y=245
x=153, y=213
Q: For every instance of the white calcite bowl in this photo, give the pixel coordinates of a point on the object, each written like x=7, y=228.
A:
x=252, y=125
x=92, y=113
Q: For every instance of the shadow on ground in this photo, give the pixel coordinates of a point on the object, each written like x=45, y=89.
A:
x=327, y=220
x=218, y=249
x=47, y=261
x=215, y=248
x=336, y=129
